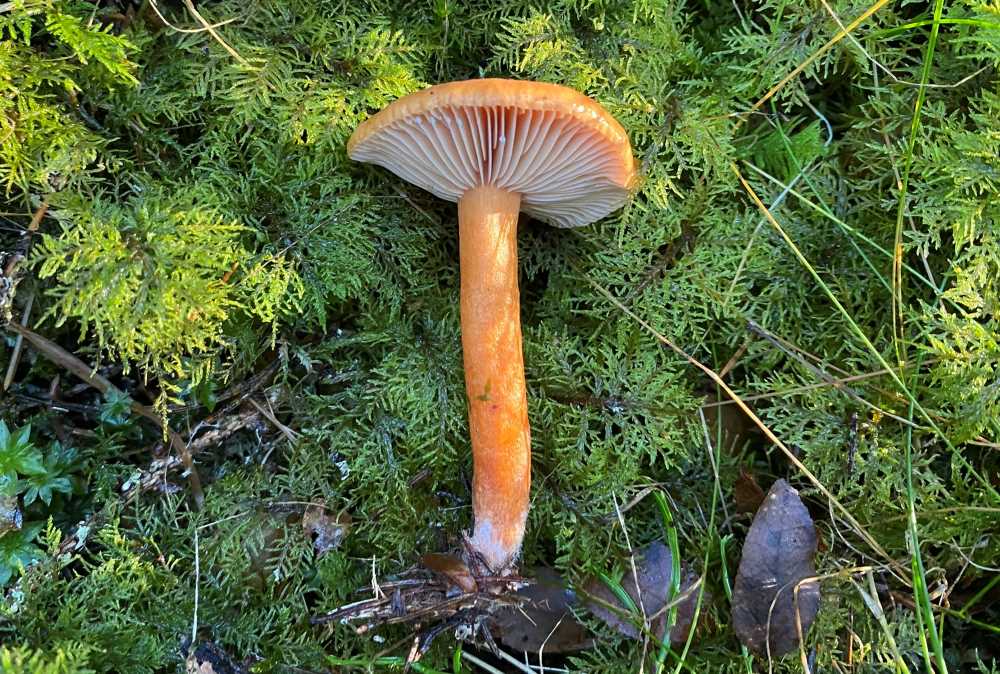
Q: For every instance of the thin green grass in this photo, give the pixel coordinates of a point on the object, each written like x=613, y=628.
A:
x=925, y=612
x=620, y=594
x=958, y=615
x=711, y=534
x=902, y=28
x=630, y=612
x=805, y=177
x=670, y=531
x=930, y=638
x=389, y=662
x=978, y=596
x=864, y=338
x=924, y=609
x=870, y=597
x=824, y=210
x=745, y=656
x=898, y=332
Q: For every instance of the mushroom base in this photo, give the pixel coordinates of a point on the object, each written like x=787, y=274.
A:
x=494, y=374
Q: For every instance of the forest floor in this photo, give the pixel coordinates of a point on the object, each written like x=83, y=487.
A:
x=764, y=395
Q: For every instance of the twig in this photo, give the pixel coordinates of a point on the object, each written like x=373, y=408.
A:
x=67, y=360
x=197, y=581
x=64, y=358
x=487, y=666
x=18, y=257
x=801, y=389
x=36, y=219
x=222, y=424
x=633, y=502
x=156, y=9
x=289, y=434
x=222, y=430
x=211, y=31
x=55, y=405
x=242, y=389
x=542, y=668
x=517, y=663
x=206, y=27
x=416, y=207
x=15, y=357
x=734, y=359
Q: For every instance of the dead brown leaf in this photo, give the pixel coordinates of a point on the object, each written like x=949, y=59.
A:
x=452, y=569
x=771, y=596
x=747, y=493
x=653, y=568
x=545, y=622
x=208, y=658
x=327, y=530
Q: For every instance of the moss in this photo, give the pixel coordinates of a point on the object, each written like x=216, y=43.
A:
x=203, y=221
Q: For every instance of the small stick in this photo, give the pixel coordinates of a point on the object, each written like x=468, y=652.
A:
x=197, y=581
x=187, y=30
x=289, y=434
x=211, y=31
x=485, y=666
x=64, y=358
x=36, y=220
x=731, y=363
x=15, y=357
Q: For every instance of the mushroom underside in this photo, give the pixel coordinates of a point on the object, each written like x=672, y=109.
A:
x=566, y=173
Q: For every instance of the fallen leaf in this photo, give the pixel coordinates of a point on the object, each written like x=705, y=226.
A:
x=453, y=569
x=653, y=568
x=777, y=557
x=208, y=658
x=11, y=517
x=747, y=493
x=728, y=423
x=327, y=532
x=685, y=609
x=545, y=621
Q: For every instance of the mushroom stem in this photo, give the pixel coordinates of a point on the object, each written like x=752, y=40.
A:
x=494, y=373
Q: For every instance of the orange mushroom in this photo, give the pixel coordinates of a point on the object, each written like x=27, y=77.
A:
x=498, y=147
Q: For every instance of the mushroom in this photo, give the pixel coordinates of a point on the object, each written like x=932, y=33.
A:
x=498, y=147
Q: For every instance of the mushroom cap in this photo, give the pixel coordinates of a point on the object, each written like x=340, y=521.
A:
x=566, y=156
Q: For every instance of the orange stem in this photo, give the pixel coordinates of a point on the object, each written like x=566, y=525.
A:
x=494, y=373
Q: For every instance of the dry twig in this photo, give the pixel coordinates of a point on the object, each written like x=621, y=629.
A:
x=68, y=361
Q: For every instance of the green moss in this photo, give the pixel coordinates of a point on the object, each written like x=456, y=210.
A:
x=204, y=220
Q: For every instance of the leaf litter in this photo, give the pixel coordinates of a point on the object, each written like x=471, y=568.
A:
x=651, y=595
x=545, y=621
x=775, y=597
